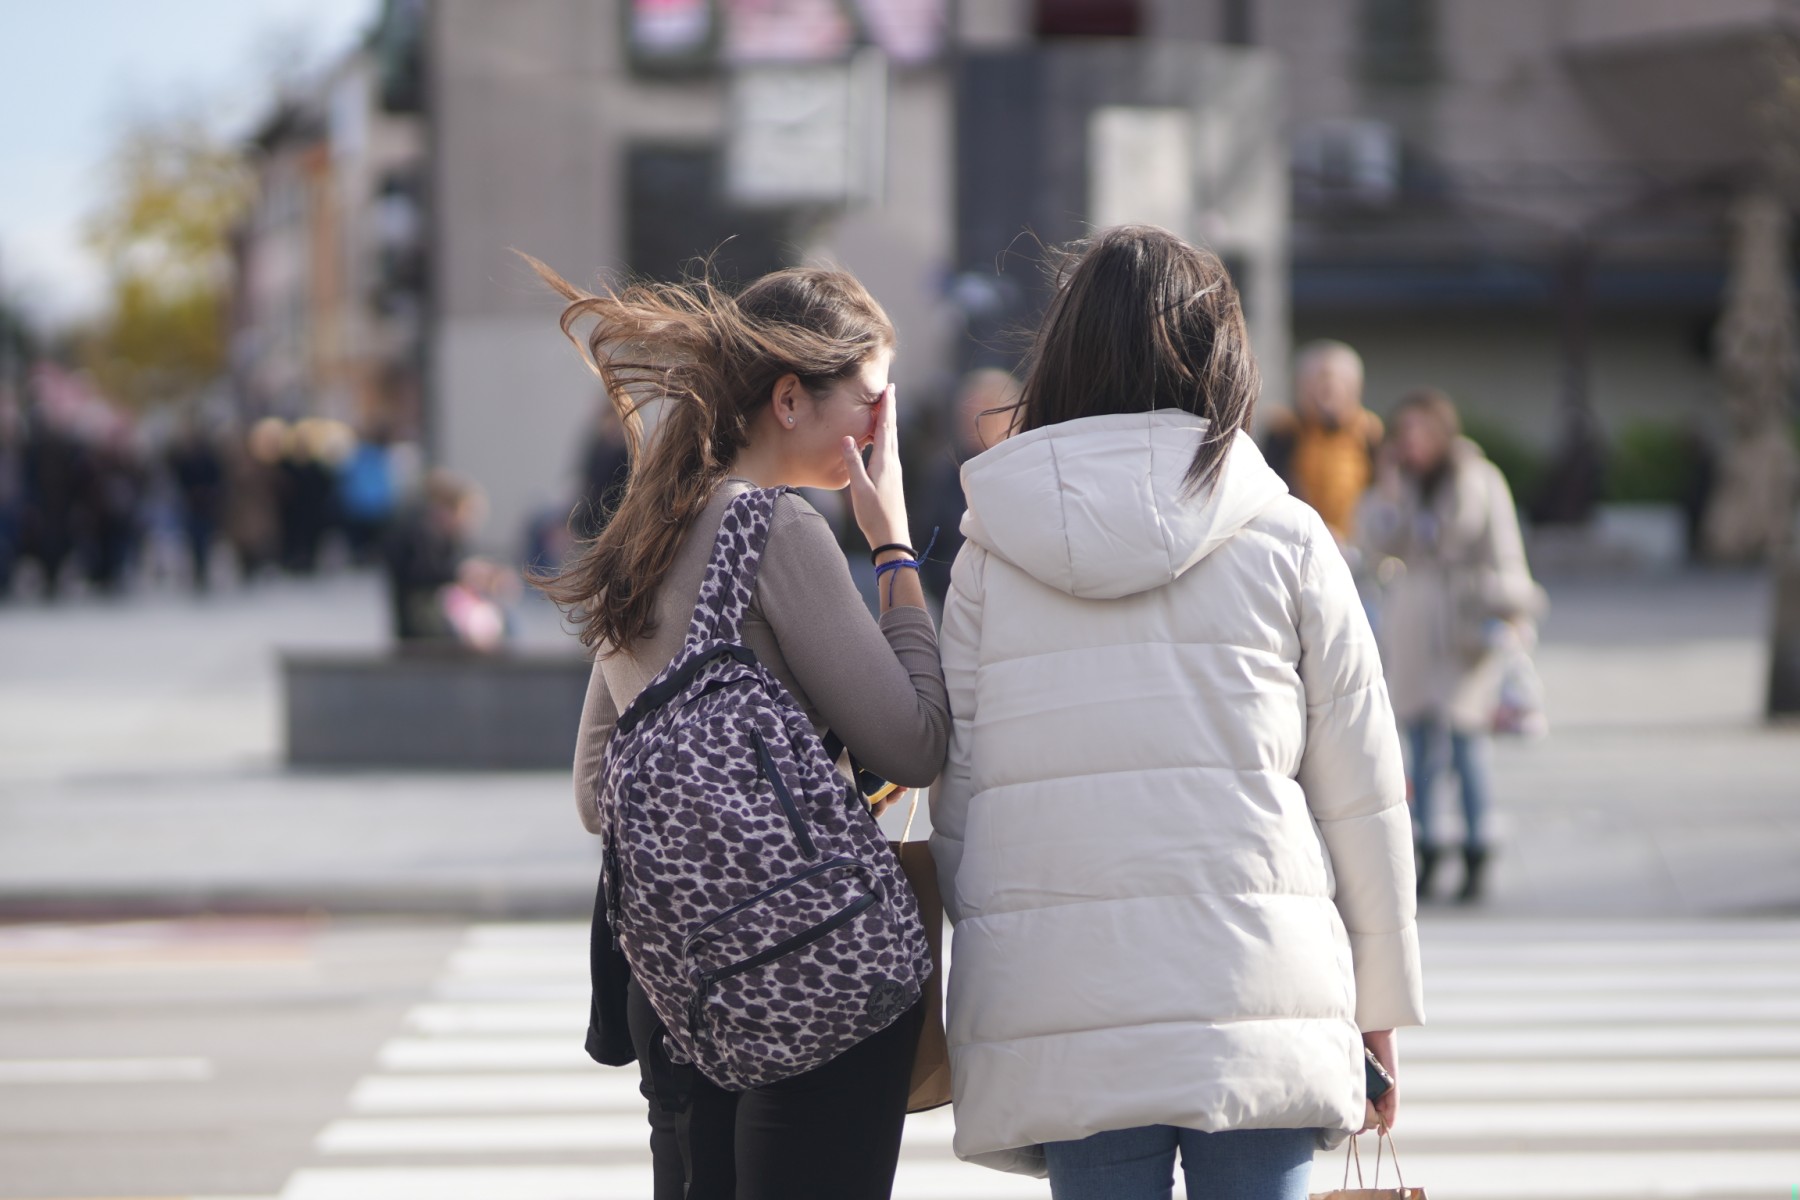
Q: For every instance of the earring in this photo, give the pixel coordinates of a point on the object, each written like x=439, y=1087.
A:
x=790, y=421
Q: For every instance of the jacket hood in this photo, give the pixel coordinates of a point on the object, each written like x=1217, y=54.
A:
x=1097, y=507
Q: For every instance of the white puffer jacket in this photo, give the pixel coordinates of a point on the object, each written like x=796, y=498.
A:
x=1172, y=832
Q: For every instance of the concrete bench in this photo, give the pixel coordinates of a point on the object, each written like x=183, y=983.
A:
x=433, y=709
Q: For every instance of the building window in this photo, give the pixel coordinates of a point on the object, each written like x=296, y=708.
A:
x=676, y=215
x=1399, y=41
x=1089, y=18
x=1238, y=23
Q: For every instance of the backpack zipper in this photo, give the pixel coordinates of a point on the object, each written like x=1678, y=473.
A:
x=780, y=949
x=688, y=942
x=765, y=768
x=615, y=887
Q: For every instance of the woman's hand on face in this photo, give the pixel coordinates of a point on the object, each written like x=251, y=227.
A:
x=877, y=493
x=1383, y=1112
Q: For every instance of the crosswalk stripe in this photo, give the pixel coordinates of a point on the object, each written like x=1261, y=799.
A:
x=1703, y=1080
x=1625, y=980
x=915, y=1181
x=559, y=934
x=485, y=990
x=1505, y=1174
x=483, y=1054
x=476, y=1135
x=1451, y=928
x=601, y=1090
x=1695, y=954
x=1547, y=1121
x=1591, y=1061
x=1462, y=1012
x=516, y=1017
x=1630, y=1041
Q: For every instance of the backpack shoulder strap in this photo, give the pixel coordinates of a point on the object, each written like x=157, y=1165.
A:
x=730, y=579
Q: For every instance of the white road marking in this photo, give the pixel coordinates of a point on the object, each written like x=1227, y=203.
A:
x=105, y=1070
x=484, y=1054
x=1547, y=1041
x=601, y=1090
x=517, y=1017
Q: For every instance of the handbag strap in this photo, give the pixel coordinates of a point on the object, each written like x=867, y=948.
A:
x=906, y=834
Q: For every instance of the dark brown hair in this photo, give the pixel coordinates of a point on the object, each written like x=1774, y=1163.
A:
x=709, y=361
x=1139, y=321
x=1433, y=403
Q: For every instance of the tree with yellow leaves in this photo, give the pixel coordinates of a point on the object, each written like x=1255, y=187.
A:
x=174, y=189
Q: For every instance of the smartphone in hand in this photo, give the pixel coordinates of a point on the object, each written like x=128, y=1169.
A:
x=1377, y=1081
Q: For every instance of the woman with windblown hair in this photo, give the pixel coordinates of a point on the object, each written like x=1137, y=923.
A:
x=784, y=384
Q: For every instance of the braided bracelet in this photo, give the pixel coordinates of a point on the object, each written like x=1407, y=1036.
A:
x=912, y=560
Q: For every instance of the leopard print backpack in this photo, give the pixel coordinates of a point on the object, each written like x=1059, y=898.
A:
x=751, y=891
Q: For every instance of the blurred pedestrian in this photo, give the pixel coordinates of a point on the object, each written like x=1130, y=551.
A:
x=985, y=403
x=253, y=487
x=605, y=466
x=367, y=495
x=110, y=505
x=437, y=591
x=308, y=494
x=53, y=468
x=1324, y=450
x=198, y=471
x=424, y=549
x=12, y=489
x=1441, y=527
x=1172, y=832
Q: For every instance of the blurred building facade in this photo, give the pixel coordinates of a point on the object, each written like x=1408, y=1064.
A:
x=1525, y=204
x=328, y=309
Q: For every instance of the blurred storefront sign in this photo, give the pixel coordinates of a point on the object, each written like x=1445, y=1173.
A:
x=671, y=35
x=680, y=36
x=786, y=31
x=807, y=134
x=909, y=32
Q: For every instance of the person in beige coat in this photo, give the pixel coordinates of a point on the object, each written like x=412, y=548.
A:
x=1172, y=832
x=1457, y=598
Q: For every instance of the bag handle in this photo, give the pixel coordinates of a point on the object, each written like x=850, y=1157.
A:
x=906, y=834
x=1382, y=1134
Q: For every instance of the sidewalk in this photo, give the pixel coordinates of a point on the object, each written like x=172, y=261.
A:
x=140, y=769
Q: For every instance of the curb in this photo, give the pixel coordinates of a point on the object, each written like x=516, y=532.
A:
x=476, y=903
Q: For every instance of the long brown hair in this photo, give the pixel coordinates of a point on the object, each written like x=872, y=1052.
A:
x=1140, y=320
x=709, y=360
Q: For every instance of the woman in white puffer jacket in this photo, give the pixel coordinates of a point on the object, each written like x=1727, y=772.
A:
x=1173, y=832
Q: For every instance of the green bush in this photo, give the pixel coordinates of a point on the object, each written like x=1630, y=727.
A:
x=1651, y=462
x=1521, y=462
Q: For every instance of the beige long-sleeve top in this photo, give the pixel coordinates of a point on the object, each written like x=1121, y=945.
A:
x=878, y=685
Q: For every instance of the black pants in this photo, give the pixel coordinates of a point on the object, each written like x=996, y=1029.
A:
x=830, y=1134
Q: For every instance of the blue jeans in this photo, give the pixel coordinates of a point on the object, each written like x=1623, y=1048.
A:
x=1139, y=1164
x=1468, y=756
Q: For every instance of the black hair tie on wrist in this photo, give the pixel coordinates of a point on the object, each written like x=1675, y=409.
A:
x=878, y=551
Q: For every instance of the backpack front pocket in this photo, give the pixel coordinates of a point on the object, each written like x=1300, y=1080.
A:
x=792, y=978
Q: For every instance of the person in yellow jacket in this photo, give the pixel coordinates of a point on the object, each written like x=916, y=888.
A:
x=1324, y=450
